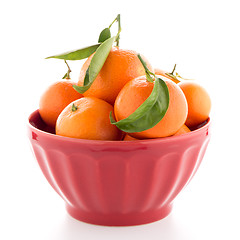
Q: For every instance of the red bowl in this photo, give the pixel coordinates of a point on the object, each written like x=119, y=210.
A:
x=117, y=183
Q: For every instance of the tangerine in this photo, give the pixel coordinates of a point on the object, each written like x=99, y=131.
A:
x=87, y=118
x=55, y=99
x=120, y=67
x=129, y=138
x=137, y=91
x=184, y=129
x=199, y=103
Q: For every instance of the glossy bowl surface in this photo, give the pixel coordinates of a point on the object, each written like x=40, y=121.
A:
x=117, y=183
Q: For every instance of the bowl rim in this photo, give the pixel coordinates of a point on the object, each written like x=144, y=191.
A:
x=185, y=136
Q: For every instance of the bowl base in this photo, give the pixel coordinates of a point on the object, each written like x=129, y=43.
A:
x=118, y=219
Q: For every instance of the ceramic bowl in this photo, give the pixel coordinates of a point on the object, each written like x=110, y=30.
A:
x=117, y=183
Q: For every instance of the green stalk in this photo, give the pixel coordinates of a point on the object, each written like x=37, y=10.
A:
x=117, y=19
x=173, y=69
x=69, y=70
x=149, y=74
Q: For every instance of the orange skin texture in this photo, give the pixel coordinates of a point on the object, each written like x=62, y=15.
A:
x=135, y=92
x=160, y=72
x=184, y=129
x=199, y=103
x=90, y=120
x=120, y=67
x=56, y=97
x=129, y=138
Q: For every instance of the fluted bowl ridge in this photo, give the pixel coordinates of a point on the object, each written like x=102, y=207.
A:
x=117, y=183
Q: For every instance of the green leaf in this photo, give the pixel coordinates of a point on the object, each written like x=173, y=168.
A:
x=77, y=54
x=178, y=76
x=149, y=113
x=81, y=89
x=104, y=35
x=86, y=78
x=96, y=64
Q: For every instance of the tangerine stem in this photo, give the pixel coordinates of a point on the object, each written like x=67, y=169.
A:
x=174, y=69
x=74, y=108
x=69, y=70
x=119, y=30
x=117, y=19
x=113, y=22
x=147, y=71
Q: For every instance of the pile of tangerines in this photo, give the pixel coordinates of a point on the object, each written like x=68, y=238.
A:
x=120, y=96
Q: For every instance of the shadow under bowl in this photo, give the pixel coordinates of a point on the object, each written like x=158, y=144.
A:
x=117, y=183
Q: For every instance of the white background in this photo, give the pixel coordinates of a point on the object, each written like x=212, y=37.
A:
x=202, y=37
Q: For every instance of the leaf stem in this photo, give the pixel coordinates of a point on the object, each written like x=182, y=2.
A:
x=149, y=74
x=112, y=22
x=174, y=69
x=69, y=70
x=119, y=30
x=117, y=19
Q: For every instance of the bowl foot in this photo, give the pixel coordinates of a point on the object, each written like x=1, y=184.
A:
x=118, y=219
